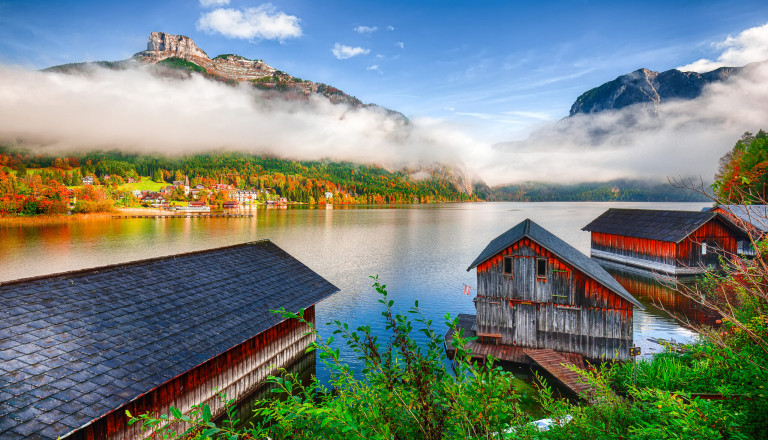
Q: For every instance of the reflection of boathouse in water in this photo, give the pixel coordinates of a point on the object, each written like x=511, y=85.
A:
x=669, y=242
x=662, y=292
x=79, y=349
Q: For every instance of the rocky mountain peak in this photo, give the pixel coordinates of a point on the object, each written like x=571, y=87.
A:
x=647, y=87
x=179, y=45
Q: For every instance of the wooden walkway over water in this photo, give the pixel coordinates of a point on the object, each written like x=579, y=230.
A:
x=186, y=215
x=554, y=363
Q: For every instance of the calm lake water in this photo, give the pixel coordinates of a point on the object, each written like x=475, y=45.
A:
x=421, y=252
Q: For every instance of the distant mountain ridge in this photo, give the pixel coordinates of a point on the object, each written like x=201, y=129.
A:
x=180, y=52
x=644, y=86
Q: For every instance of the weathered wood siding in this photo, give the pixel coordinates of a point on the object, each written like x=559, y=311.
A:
x=719, y=239
x=668, y=257
x=629, y=249
x=564, y=311
x=238, y=372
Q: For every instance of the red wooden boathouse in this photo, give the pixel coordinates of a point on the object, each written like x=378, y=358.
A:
x=751, y=218
x=79, y=349
x=536, y=291
x=671, y=242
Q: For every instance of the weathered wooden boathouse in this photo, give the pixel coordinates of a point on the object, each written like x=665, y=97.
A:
x=536, y=291
x=670, y=242
x=79, y=349
x=751, y=218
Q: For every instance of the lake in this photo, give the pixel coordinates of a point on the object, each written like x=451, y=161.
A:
x=421, y=252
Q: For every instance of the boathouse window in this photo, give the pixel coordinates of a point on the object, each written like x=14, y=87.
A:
x=704, y=248
x=541, y=268
x=508, y=266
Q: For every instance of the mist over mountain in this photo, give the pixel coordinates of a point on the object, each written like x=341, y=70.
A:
x=644, y=125
x=172, y=98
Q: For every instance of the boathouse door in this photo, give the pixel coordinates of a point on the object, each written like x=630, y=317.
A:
x=525, y=325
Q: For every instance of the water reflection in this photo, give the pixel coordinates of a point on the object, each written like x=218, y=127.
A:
x=303, y=368
x=661, y=297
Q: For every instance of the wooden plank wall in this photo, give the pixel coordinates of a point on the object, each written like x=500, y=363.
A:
x=566, y=311
x=238, y=372
x=719, y=239
x=653, y=250
x=687, y=253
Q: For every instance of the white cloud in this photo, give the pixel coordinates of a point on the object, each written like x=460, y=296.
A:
x=343, y=52
x=749, y=46
x=365, y=29
x=390, y=28
x=374, y=67
x=400, y=44
x=263, y=22
x=209, y=3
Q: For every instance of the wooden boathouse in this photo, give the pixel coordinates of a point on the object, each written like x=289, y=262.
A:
x=535, y=291
x=669, y=242
x=78, y=349
x=751, y=218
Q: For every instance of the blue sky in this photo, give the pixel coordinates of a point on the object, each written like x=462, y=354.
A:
x=497, y=68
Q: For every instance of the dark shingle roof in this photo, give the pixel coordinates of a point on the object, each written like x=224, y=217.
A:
x=661, y=225
x=754, y=215
x=527, y=228
x=75, y=346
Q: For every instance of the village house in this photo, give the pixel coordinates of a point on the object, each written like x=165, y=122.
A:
x=536, y=291
x=245, y=196
x=88, y=180
x=669, y=242
x=82, y=348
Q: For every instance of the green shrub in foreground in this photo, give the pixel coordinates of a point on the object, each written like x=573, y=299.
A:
x=406, y=392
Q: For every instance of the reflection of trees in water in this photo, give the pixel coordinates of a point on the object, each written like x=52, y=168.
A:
x=661, y=293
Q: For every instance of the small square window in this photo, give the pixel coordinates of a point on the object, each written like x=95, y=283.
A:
x=507, y=266
x=541, y=268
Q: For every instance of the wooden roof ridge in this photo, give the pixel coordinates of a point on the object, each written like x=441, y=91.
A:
x=528, y=228
x=106, y=267
x=655, y=224
x=755, y=215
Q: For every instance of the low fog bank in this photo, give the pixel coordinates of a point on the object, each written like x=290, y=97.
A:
x=135, y=110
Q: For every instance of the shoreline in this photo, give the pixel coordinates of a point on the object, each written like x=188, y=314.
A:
x=40, y=220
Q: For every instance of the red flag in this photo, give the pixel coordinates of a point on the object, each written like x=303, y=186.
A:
x=467, y=290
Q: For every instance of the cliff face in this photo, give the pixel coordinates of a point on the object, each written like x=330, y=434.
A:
x=647, y=87
x=178, y=45
x=229, y=67
x=162, y=46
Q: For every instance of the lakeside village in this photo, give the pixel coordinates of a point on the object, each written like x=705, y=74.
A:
x=99, y=182
x=181, y=197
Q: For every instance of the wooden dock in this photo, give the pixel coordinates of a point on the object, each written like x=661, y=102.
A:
x=557, y=366
x=550, y=361
x=186, y=215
